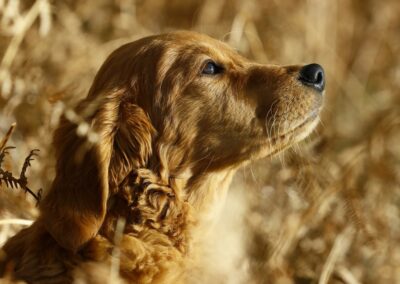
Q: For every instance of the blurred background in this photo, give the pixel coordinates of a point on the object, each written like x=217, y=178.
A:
x=326, y=211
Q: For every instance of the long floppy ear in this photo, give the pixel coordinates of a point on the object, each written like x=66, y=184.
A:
x=74, y=208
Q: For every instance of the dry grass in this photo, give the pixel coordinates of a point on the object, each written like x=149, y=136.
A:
x=327, y=211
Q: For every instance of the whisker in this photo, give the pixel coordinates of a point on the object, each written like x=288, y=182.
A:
x=267, y=118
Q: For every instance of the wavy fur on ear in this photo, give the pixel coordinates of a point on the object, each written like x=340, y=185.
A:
x=132, y=143
x=76, y=204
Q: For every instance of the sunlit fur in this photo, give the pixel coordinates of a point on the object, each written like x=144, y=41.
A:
x=169, y=141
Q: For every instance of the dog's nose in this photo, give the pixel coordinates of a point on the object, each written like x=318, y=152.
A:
x=313, y=75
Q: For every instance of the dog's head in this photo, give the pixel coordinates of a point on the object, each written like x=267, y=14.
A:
x=171, y=103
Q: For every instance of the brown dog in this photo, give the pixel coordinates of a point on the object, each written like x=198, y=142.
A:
x=171, y=118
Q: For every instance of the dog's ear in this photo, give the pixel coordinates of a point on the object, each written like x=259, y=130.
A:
x=118, y=137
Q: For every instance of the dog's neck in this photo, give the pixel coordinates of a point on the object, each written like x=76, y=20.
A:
x=203, y=188
x=208, y=195
x=206, y=191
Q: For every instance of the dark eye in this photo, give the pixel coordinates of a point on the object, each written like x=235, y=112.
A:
x=211, y=68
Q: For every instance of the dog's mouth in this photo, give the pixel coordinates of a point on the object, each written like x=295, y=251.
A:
x=295, y=132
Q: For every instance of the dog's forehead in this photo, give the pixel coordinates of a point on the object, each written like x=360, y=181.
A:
x=203, y=44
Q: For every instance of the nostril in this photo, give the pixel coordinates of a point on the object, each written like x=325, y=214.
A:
x=320, y=77
x=313, y=75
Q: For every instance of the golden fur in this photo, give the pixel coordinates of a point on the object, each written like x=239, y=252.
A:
x=168, y=141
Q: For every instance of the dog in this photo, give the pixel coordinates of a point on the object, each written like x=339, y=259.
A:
x=171, y=118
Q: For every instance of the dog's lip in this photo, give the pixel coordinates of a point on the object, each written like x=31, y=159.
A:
x=308, y=119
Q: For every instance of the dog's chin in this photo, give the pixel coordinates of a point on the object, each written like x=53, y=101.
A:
x=299, y=131
x=291, y=136
x=305, y=129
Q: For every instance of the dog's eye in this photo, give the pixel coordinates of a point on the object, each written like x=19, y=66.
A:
x=211, y=68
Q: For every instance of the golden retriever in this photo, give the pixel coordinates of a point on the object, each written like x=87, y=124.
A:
x=171, y=118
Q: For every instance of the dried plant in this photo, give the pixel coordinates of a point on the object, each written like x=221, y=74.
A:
x=8, y=178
